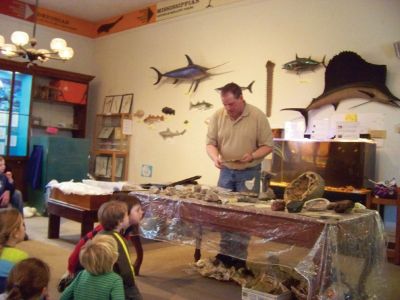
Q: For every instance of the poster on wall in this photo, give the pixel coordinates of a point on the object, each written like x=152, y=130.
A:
x=173, y=8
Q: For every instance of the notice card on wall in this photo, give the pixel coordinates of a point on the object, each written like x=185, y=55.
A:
x=127, y=127
x=347, y=130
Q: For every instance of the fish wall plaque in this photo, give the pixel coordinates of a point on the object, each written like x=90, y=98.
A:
x=249, y=87
x=301, y=64
x=139, y=114
x=191, y=72
x=201, y=105
x=349, y=76
x=151, y=119
x=169, y=134
x=168, y=111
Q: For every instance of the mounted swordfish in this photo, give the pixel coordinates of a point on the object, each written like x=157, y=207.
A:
x=192, y=72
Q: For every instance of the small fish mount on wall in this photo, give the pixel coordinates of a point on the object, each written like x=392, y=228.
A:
x=191, y=72
x=168, y=111
x=349, y=76
x=151, y=119
x=301, y=64
x=169, y=134
x=249, y=87
x=200, y=105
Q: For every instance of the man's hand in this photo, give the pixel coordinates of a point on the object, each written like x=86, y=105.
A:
x=248, y=157
x=5, y=199
x=9, y=177
x=218, y=162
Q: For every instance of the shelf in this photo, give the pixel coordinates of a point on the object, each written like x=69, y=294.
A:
x=57, y=102
x=361, y=191
x=114, y=115
x=385, y=201
x=111, y=152
x=59, y=128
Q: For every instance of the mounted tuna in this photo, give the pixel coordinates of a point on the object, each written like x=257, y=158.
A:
x=301, y=64
x=191, y=72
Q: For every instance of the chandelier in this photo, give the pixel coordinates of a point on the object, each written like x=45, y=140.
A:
x=22, y=46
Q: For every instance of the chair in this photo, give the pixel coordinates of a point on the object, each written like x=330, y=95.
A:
x=373, y=202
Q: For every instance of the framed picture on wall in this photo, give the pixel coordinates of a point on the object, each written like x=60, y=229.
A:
x=116, y=104
x=108, y=101
x=126, y=105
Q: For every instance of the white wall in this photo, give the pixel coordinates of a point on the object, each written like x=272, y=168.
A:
x=246, y=35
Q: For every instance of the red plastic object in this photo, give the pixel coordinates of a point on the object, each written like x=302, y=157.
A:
x=52, y=130
x=72, y=92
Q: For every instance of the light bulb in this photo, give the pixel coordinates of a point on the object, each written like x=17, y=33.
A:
x=1, y=41
x=57, y=44
x=20, y=38
x=9, y=50
x=66, y=53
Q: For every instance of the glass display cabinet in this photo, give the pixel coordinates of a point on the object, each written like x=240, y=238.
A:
x=37, y=101
x=15, y=97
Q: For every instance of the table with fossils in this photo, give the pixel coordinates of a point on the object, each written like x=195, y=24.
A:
x=327, y=253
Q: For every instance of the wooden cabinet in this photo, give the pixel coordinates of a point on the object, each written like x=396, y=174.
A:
x=60, y=105
x=35, y=101
x=111, y=142
x=393, y=251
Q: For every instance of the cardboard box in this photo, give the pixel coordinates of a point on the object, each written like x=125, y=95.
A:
x=90, y=202
x=69, y=91
x=249, y=294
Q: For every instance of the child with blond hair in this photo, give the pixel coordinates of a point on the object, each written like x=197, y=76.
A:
x=12, y=231
x=97, y=281
x=28, y=279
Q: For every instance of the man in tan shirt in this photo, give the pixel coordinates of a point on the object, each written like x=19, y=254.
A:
x=238, y=139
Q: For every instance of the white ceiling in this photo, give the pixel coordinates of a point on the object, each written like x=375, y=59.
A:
x=93, y=10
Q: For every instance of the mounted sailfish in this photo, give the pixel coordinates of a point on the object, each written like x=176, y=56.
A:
x=192, y=72
x=348, y=76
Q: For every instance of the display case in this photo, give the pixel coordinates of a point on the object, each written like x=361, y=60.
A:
x=59, y=104
x=111, y=146
x=15, y=95
x=21, y=105
x=340, y=163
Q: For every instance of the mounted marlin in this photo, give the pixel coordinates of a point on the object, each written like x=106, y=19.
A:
x=348, y=76
x=192, y=72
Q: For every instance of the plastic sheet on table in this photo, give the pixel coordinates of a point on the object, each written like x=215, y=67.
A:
x=340, y=258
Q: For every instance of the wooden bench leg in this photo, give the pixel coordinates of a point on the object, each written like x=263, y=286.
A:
x=87, y=226
x=53, y=231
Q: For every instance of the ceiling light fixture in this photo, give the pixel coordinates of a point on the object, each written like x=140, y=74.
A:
x=20, y=39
